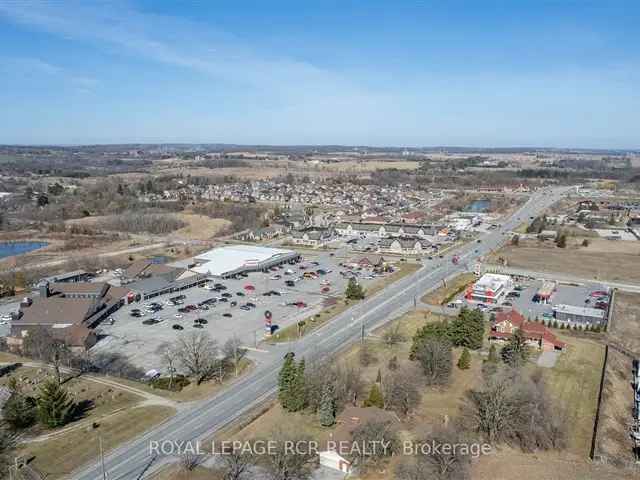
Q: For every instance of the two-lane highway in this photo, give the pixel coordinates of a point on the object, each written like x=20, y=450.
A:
x=134, y=459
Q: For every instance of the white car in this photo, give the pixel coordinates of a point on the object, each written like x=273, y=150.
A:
x=178, y=315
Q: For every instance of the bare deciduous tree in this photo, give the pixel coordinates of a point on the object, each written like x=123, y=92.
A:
x=190, y=461
x=169, y=358
x=346, y=380
x=284, y=462
x=235, y=465
x=435, y=357
x=376, y=440
x=516, y=409
x=42, y=345
x=400, y=390
x=196, y=353
x=393, y=336
x=234, y=352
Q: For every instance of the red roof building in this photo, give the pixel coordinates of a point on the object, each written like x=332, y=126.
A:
x=537, y=335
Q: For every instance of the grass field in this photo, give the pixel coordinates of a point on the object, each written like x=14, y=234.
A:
x=614, y=264
x=103, y=399
x=573, y=385
x=445, y=294
x=199, y=227
x=58, y=457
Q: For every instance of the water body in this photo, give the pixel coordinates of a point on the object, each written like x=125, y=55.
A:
x=9, y=249
x=479, y=206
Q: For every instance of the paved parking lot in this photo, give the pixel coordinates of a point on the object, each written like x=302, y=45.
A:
x=141, y=342
x=565, y=294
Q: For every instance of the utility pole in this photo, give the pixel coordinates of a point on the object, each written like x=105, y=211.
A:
x=104, y=472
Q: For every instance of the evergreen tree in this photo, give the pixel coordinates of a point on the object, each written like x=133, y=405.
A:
x=297, y=398
x=464, y=362
x=286, y=379
x=354, y=290
x=516, y=352
x=327, y=406
x=493, y=354
x=375, y=397
x=432, y=330
x=19, y=411
x=53, y=405
x=467, y=330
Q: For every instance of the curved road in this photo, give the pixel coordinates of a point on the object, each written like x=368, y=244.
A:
x=134, y=459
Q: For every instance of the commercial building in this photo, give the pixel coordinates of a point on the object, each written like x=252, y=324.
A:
x=490, y=288
x=579, y=315
x=68, y=311
x=228, y=261
x=146, y=279
x=545, y=292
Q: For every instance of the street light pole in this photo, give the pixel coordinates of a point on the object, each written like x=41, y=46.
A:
x=104, y=472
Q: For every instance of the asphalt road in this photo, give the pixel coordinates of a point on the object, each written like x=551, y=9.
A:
x=134, y=460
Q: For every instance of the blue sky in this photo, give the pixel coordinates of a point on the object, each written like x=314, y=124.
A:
x=466, y=73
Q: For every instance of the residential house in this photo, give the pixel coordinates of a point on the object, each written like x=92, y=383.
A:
x=536, y=334
x=312, y=237
x=402, y=246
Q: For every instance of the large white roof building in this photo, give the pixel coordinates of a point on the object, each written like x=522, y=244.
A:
x=233, y=259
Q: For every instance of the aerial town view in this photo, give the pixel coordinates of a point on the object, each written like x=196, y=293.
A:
x=319, y=240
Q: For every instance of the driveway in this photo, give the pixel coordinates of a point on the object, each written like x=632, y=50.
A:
x=548, y=359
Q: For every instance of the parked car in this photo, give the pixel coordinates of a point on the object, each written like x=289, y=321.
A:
x=177, y=327
x=178, y=315
x=240, y=294
x=228, y=315
x=150, y=321
x=233, y=304
x=197, y=325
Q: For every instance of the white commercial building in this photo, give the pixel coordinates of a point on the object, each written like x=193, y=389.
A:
x=231, y=260
x=490, y=288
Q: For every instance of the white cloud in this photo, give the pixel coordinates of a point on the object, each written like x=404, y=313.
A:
x=31, y=66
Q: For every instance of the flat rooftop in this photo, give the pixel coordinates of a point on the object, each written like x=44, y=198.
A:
x=583, y=311
x=228, y=259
